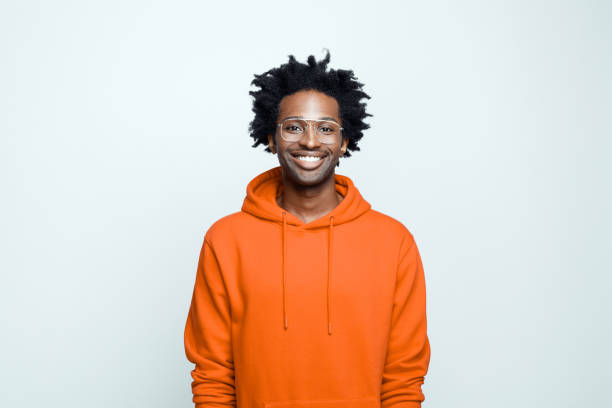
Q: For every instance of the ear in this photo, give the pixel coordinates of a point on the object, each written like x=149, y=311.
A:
x=271, y=143
x=343, y=147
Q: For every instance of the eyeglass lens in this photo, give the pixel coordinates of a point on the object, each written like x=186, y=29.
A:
x=292, y=130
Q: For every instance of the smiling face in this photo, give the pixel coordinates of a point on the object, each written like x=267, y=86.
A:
x=321, y=158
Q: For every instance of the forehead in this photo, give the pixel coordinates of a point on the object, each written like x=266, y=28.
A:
x=309, y=104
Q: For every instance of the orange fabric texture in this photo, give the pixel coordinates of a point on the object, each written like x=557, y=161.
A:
x=325, y=314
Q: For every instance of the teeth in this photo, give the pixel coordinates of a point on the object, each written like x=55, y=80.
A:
x=309, y=158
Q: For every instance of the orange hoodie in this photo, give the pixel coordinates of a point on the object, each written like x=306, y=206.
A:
x=328, y=314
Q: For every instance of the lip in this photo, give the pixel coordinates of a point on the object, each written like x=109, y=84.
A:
x=308, y=165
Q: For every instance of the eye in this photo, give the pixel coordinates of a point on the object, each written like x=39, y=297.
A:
x=293, y=128
x=328, y=129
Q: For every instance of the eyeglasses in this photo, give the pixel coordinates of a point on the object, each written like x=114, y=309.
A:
x=327, y=131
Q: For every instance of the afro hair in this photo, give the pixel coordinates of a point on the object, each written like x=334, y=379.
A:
x=294, y=76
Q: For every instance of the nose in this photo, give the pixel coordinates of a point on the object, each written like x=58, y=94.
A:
x=310, y=138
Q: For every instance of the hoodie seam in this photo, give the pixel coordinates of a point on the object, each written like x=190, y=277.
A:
x=402, y=254
x=214, y=254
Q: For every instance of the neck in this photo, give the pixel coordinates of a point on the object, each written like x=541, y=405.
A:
x=309, y=202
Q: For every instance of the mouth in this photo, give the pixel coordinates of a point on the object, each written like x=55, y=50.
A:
x=308, y=161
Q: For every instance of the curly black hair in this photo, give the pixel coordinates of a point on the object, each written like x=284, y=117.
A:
x=294, y=76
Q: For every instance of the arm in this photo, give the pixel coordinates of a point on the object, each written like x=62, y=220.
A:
x=408, y=349
x=208, y=341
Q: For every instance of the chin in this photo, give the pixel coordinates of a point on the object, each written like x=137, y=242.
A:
x=308, y=177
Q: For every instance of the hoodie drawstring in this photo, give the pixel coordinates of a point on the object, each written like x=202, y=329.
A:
x=329, y=268
x=284, y=272
x=330, y=236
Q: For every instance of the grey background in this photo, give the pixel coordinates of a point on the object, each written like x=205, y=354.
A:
x=124, y=137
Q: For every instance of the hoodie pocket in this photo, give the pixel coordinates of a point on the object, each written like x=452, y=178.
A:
x=371, y=402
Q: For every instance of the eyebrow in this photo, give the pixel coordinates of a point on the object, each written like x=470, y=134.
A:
x=320, y=118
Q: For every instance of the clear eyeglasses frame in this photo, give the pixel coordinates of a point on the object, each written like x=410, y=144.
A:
x=327, y=131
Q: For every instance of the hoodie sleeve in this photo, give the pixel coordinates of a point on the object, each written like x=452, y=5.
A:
x=208, y=342
x=408, y=349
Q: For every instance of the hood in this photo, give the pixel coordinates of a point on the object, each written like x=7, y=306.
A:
x=260, y=201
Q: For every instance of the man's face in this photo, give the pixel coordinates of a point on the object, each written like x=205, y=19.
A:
x=308, y=104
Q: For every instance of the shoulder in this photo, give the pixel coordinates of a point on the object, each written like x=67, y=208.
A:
x=389, y=225
x=225, y=227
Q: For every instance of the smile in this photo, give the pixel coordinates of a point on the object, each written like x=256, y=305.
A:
x=308, y=158
x=308, y=162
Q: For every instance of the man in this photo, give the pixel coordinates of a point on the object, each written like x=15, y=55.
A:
x=308, y=297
